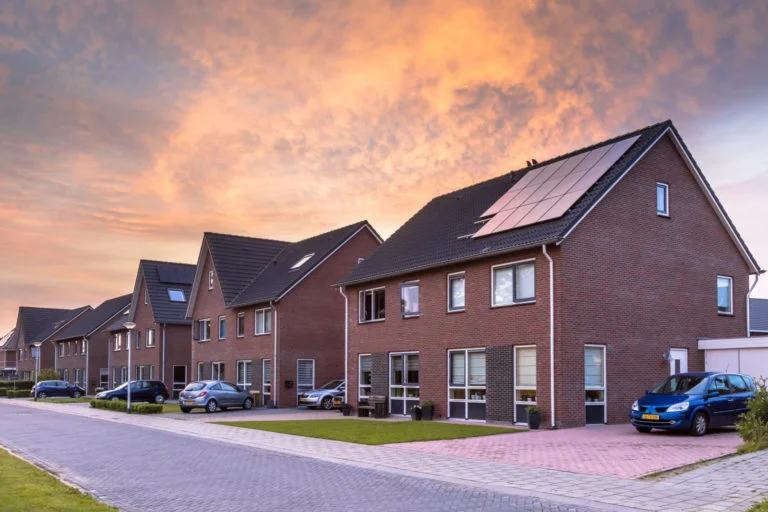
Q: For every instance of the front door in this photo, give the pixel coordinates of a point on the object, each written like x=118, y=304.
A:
x=179, y=380
x=678, y=361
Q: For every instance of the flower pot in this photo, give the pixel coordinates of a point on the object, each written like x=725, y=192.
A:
x=534, y=420
x=416, y=413
x=426, y=412
x=346, y=409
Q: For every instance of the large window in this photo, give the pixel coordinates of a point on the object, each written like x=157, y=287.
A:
x=466, y=384
x=456, y=292
x=513, y=283
x=263, y=321
x=61, y=350
x=204, y=329
x=151, y=372
x=305, y=375
x=217, y=370
x=594, y=383
x=118, y=341
x=240, y=325
x=222, y=327
x=245, y=374
x=123, y=374
x=200, y=371
x=724, y=295
x=139, y=373
x=525, y=381
x=151, y=337
x=409, y=299
x=79, y=377
x=403, y=382
x=372, y=305
x=266, y=372
x=366, y=368
x=65, y=375
x=662, y=199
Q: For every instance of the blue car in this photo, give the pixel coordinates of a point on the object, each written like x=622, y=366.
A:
x=694, y=402
x=61, y=388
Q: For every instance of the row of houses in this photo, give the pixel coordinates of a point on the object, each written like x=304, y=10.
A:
x=572, y=284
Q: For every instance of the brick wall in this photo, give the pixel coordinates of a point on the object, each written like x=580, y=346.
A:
x=379, y=375
x=501, y=383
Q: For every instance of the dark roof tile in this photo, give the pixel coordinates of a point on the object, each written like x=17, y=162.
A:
x=91, y=321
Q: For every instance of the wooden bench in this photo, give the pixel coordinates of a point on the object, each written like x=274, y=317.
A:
x=376, y=405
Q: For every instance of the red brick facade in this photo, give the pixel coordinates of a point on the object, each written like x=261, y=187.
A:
x=626, y=278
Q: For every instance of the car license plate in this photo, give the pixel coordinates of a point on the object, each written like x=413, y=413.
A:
x=302, y=400
x=189, y=402
x=650, y=416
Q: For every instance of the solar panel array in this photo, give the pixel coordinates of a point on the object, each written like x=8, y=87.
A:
x=549, y=191
x=174, y=274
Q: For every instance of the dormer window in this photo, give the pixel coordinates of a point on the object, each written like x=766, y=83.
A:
x=210, y=280
x=176, y=295
x=302, y=261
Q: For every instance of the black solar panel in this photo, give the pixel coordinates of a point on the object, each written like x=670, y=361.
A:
x=175, y=274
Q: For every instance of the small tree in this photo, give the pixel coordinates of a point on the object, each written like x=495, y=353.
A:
x=753, y=426
x=48, y=374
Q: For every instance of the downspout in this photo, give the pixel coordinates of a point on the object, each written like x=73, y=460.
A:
x=749, y=297
x=346, y=345
x=162, y=369
x=551, y=333
x=275, y=383
x=87, y=357
x=110, y=341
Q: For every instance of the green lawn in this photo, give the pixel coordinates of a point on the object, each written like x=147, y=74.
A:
x=373, y=432
x=66, y=400
x=760, y=507
x=24, y=487
x=174, y=407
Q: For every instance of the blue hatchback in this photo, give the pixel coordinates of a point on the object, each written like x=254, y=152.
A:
x=694, y=402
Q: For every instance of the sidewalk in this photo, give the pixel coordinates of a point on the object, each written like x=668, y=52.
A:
x=733, y=484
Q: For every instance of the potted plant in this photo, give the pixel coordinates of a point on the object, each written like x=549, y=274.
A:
x=416, y=413
x=534, y=416
x=346, y=409
x=427, y=410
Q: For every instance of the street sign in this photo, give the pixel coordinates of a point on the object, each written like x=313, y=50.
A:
x=35, y=352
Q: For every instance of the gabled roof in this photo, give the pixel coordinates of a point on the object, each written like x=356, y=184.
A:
x=95, y=319
x=161, y=276
x=279, y=276
x=39, y=324
x=758, y=315
x=440, y=233
x=8, y=342
x=119, y=323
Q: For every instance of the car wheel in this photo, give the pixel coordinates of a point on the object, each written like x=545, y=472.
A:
x=643, y=430
x=327, y=403
x=42, y=395
x=115, y=399
x=185, y=409
x=699, y=424
x=159, y=399
x=248, y=404
x=76, y=394
x=211, y=406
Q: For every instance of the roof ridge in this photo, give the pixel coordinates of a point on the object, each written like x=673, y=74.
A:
x=167, y=262
x=229, y=235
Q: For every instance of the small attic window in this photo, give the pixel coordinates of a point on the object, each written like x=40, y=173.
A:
x=302, y=261
x=176, y=295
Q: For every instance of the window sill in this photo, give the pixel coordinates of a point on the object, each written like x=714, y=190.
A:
x=406, y=317
x=240, y=336
x=150, y=346
x=523, y=303
x=360, y=322
x=720, y=313
x=663, y=215
x=262, y=333
x=203, y=341
x=451, y=311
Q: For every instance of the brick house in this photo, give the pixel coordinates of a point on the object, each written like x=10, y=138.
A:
x=34, y=329
x=758, y=317
x=81, y=347
x=265, y=311
x=8, y=355
x=592, y=274
x=160, y=348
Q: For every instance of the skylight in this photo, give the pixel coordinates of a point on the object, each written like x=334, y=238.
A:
x=176, y=295
x=302, y=261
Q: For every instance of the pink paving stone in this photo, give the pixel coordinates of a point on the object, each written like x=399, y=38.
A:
x=607, y=450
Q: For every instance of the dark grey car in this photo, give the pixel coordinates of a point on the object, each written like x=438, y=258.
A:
x=214, y=394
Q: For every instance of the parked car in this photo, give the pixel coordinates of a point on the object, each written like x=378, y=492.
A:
x=141, y=391
x=46, y=388
x=323, y=396
x=694, y=402
x=214, y=394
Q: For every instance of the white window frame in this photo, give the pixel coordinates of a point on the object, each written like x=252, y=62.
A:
x=513, y=265
x=222, y=321
x=151, y=372
x=210, y=280
x=200, y=371
x=302, y=261
x=314, y=375
x=403, y=286
x=266, y=312
x=467, y=387
x=61, y=350
x=604, y=387
x=65, y=375
x=665, y=188
x=78, y=376
x=450, y=277
x=361, y=309
x=84, y=347
x=405, y=386
x=118, y=342
x=140, y=372
x=200, y=329
x=123, y=374
x=266, y=380
x=244, y=383
x=360, y=386
x=146, y=296
x=730, y=295
x=151, y=340
x=518, y=387
x=240, y=333
x=219, y=365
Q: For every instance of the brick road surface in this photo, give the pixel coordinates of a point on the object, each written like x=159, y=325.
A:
x=139, y=469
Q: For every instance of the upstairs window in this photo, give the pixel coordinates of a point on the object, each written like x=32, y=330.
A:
x=662, y=199
x=302, y=261
x=222, y=327
x=240, y=325
x=146, y=296
x=204, y=329
x=263, y=321
x=372, y=305
x=456, y=292
x=151, y=337
x=725, y=295
x=61, y=350
x=409, y=299
x=176, y=295
x=118, y=341
x=210, y=280
x=84, y=347
x=138, y=340
x=513, y=283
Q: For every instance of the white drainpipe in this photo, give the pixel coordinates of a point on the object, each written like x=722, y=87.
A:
x=749, y=296
x=87, y=356
x=551, y=333
x=346, y=345
x=275, y=383
x=162, y=369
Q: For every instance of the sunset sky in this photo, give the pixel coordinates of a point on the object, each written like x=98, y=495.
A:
x=128, y=129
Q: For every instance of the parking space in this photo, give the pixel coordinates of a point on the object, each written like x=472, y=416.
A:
x=606, y=450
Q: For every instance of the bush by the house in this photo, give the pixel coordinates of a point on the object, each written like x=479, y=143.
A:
x=3, y=391
x=19, y=384
x=17, y=393
x=48, y=374
x=121, y=405
x=753, y=427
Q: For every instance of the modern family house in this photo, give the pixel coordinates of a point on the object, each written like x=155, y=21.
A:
x=758, y=317
x=8, y=355
x=265, y=313
x=81, y=347
x=34, y=329
x=573, y=284
x=160, y=348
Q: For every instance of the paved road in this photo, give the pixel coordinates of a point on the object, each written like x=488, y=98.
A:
x=136, y=469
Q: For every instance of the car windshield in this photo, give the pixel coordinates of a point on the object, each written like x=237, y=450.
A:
x=121, y=386
x=195, y=386
x=332, y=385
x=682, y=385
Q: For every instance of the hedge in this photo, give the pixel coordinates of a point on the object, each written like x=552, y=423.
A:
x=19, y=384
x=121, y=405
x=3, y=392
x=18, y=393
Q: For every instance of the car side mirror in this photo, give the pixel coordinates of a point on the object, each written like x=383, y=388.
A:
x=713, y=393
x=647, y=391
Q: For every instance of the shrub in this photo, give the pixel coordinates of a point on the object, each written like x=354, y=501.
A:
x=121, y=405
x=753, y=426
x=19, y=384
x=3, y=392
x=18, y=393
x=48, y=374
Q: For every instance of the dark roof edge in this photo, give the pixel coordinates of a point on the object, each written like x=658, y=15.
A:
x=84, y=309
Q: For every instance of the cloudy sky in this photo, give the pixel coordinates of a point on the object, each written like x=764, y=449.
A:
x=130, y=128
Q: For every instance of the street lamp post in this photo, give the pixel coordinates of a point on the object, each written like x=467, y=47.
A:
x=130, y=326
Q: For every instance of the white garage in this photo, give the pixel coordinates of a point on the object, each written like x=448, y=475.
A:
x=738, y=355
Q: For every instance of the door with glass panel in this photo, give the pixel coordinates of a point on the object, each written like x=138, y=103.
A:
x=305, y=377
x=245, y=374
x=466, y=386
x=525, y=381
x=403, y=382
x=594, y=383
x=266, y=388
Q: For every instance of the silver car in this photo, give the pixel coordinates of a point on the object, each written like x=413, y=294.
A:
x=322, y=396
x=214, y=394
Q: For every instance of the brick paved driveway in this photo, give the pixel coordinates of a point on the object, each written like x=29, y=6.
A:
x=607, y=450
